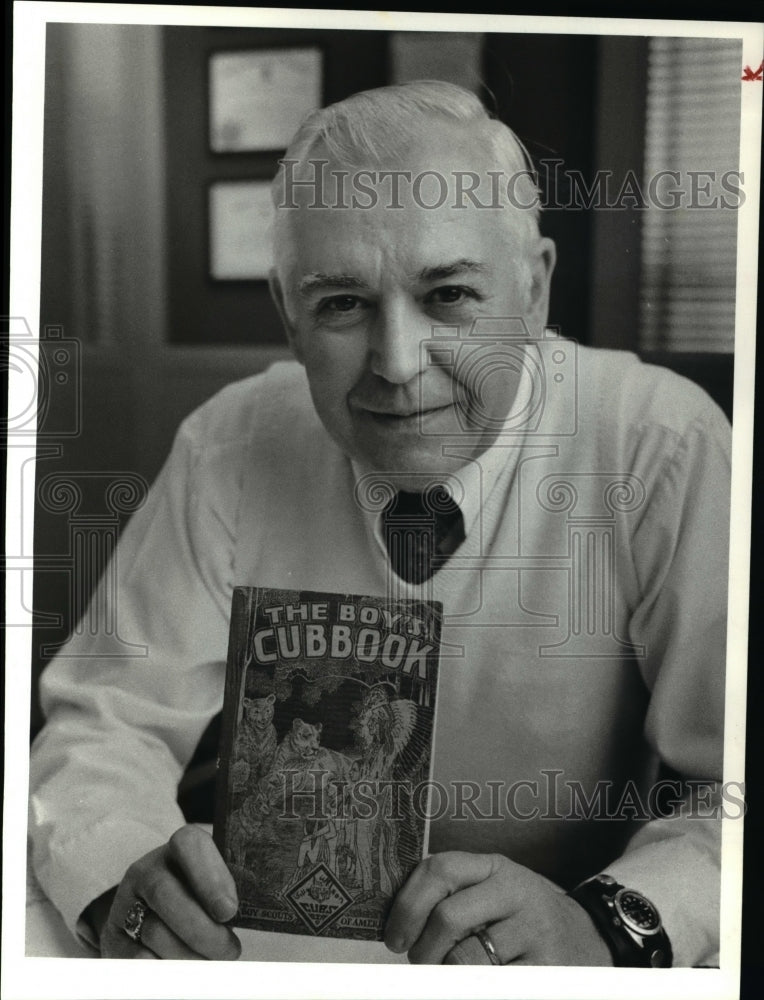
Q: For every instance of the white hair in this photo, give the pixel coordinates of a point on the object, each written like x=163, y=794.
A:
x=375, y=125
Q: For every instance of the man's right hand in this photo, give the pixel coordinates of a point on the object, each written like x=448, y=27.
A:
x=189, y=895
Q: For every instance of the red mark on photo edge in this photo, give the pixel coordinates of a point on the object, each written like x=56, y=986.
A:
x=749, y=74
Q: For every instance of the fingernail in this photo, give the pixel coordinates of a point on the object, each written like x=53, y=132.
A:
x=234, y=950
x=397, y=945
x=224, y=908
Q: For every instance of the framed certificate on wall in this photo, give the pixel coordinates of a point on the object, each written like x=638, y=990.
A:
x=240, y=215
x=258, y=97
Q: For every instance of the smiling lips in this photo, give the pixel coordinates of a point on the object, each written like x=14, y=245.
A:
x=405, y=416
x=402, y=409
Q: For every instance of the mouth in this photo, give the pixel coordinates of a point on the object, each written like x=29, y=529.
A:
x=404, y=418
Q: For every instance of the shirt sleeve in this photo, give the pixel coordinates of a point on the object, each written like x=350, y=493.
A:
x=681, y=552
x=121, y=728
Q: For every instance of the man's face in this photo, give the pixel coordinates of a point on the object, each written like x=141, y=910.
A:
x=364, y=291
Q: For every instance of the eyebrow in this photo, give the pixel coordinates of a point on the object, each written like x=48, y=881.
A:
x=316, y=282
x=320, y=281
x=441, y=271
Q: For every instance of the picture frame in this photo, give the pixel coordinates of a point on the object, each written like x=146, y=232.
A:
x=258, y=97
x=239, y=219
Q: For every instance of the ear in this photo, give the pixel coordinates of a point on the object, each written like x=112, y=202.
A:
x=542, y=266
x=296, y=723
x=318, y=728
x=271, y=698
x=247, y=702
x=277, y=295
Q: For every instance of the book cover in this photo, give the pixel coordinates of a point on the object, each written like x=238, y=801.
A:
x=324, y=764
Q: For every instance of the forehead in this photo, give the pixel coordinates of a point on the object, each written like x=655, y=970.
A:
x=403, y=243
x=408, y=210
x=382, y=242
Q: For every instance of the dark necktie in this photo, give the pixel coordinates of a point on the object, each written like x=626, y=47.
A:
x=421, y=530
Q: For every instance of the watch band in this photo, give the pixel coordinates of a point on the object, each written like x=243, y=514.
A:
x=627, y=920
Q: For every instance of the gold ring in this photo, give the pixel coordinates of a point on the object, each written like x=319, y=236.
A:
x=488, y=946
x=133, y=922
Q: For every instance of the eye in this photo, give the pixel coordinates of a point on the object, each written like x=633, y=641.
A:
x=340, y=303
x=451, y=295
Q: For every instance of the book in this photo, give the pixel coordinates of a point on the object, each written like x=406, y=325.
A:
x=324, y=765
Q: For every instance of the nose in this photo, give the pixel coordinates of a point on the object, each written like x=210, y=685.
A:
x=396, y=343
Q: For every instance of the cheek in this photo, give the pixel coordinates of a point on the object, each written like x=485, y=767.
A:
x=488, y=378
x=334, y=366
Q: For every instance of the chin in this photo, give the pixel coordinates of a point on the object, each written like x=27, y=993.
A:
x=405, y=467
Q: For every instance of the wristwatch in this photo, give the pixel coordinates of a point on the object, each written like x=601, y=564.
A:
x=627, y=920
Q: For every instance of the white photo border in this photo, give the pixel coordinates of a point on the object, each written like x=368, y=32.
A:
x=85, y=978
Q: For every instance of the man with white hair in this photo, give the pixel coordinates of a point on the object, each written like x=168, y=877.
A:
x=582, y=570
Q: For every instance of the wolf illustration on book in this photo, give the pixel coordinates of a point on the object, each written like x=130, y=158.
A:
x=326, y=749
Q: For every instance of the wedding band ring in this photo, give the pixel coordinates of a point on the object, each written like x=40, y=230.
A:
x=133, y=922
x=485, y=939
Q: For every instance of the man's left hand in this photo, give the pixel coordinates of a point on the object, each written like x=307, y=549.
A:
x=530, y=920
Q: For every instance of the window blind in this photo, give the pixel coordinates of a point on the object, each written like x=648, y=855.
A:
x=687, y=288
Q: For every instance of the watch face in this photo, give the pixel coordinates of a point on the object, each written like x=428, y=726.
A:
x=637, y=912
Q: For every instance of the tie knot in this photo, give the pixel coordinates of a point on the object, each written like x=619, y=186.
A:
x=421, y=530
x=432, y=504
